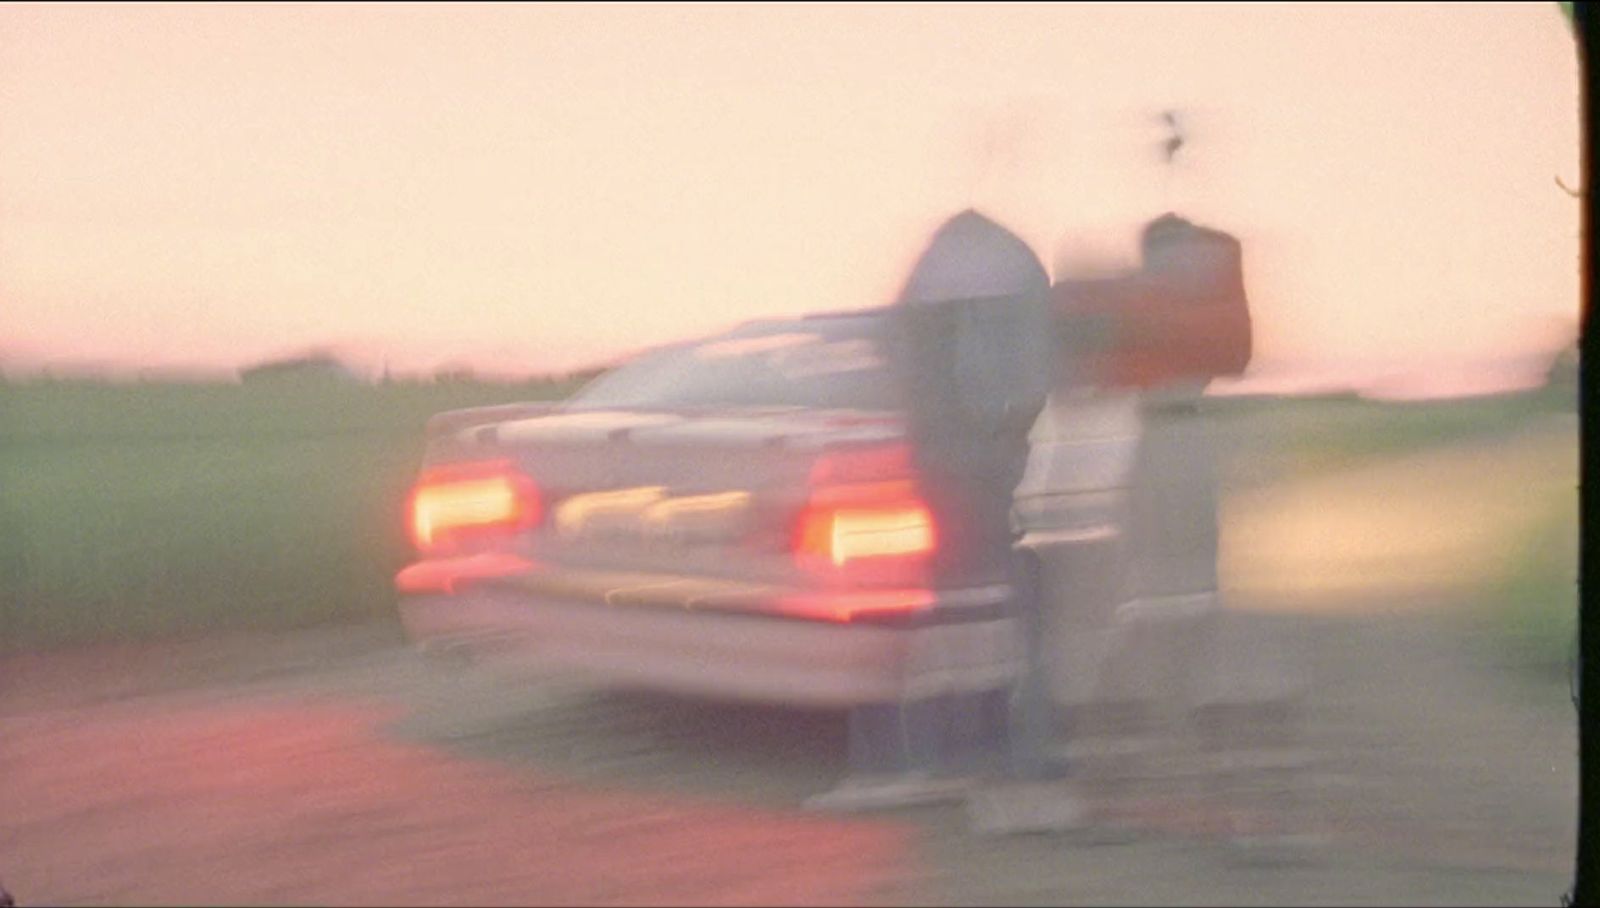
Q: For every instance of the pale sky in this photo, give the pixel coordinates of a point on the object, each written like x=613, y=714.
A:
x=540, y=186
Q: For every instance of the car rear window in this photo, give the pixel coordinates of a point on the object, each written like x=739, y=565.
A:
x=827, y=363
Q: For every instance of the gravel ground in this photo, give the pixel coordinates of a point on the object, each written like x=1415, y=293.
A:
x=338, y=767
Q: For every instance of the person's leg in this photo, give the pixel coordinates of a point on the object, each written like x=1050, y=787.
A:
x=875, y=743
x=1031, y=729
x=1032, y=797
x=1005, y=731
x=893, y=751
x=904, y=748
x=974, y=732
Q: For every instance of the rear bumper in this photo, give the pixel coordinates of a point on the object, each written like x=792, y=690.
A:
x=791, y=656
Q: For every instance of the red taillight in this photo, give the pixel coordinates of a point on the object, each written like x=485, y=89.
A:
x=886, y=462
x=454, y=504
x=865, y=511
x=868, y=520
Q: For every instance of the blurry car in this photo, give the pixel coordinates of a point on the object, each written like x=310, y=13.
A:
x=734, y=517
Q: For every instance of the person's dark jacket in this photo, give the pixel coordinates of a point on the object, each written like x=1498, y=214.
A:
x=974, y=353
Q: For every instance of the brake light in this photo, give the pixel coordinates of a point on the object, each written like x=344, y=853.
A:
x=877, y=520
x=886, y=462
x=864, y=511
x=454, y=504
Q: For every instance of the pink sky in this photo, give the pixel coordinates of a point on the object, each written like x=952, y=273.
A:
x=540, y=186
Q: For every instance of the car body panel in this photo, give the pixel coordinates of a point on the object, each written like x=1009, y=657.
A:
x=666, y=555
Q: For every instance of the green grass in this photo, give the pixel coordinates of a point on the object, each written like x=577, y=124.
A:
x=1531, y=616
x=133, y=511
x=1269, y=439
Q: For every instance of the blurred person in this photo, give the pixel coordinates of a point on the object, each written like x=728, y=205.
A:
x=985, y=341
x=1162, y=332
x=1236, y=694
x=973, y=353
x=1068, y=511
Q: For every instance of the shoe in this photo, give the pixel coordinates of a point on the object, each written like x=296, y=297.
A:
x=863, y=793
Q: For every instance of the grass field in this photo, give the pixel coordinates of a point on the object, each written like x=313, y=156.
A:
x=1435, y=526
x=1266, y=440
x=1340, y=503
x=1531, y=612
x=135, y=510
